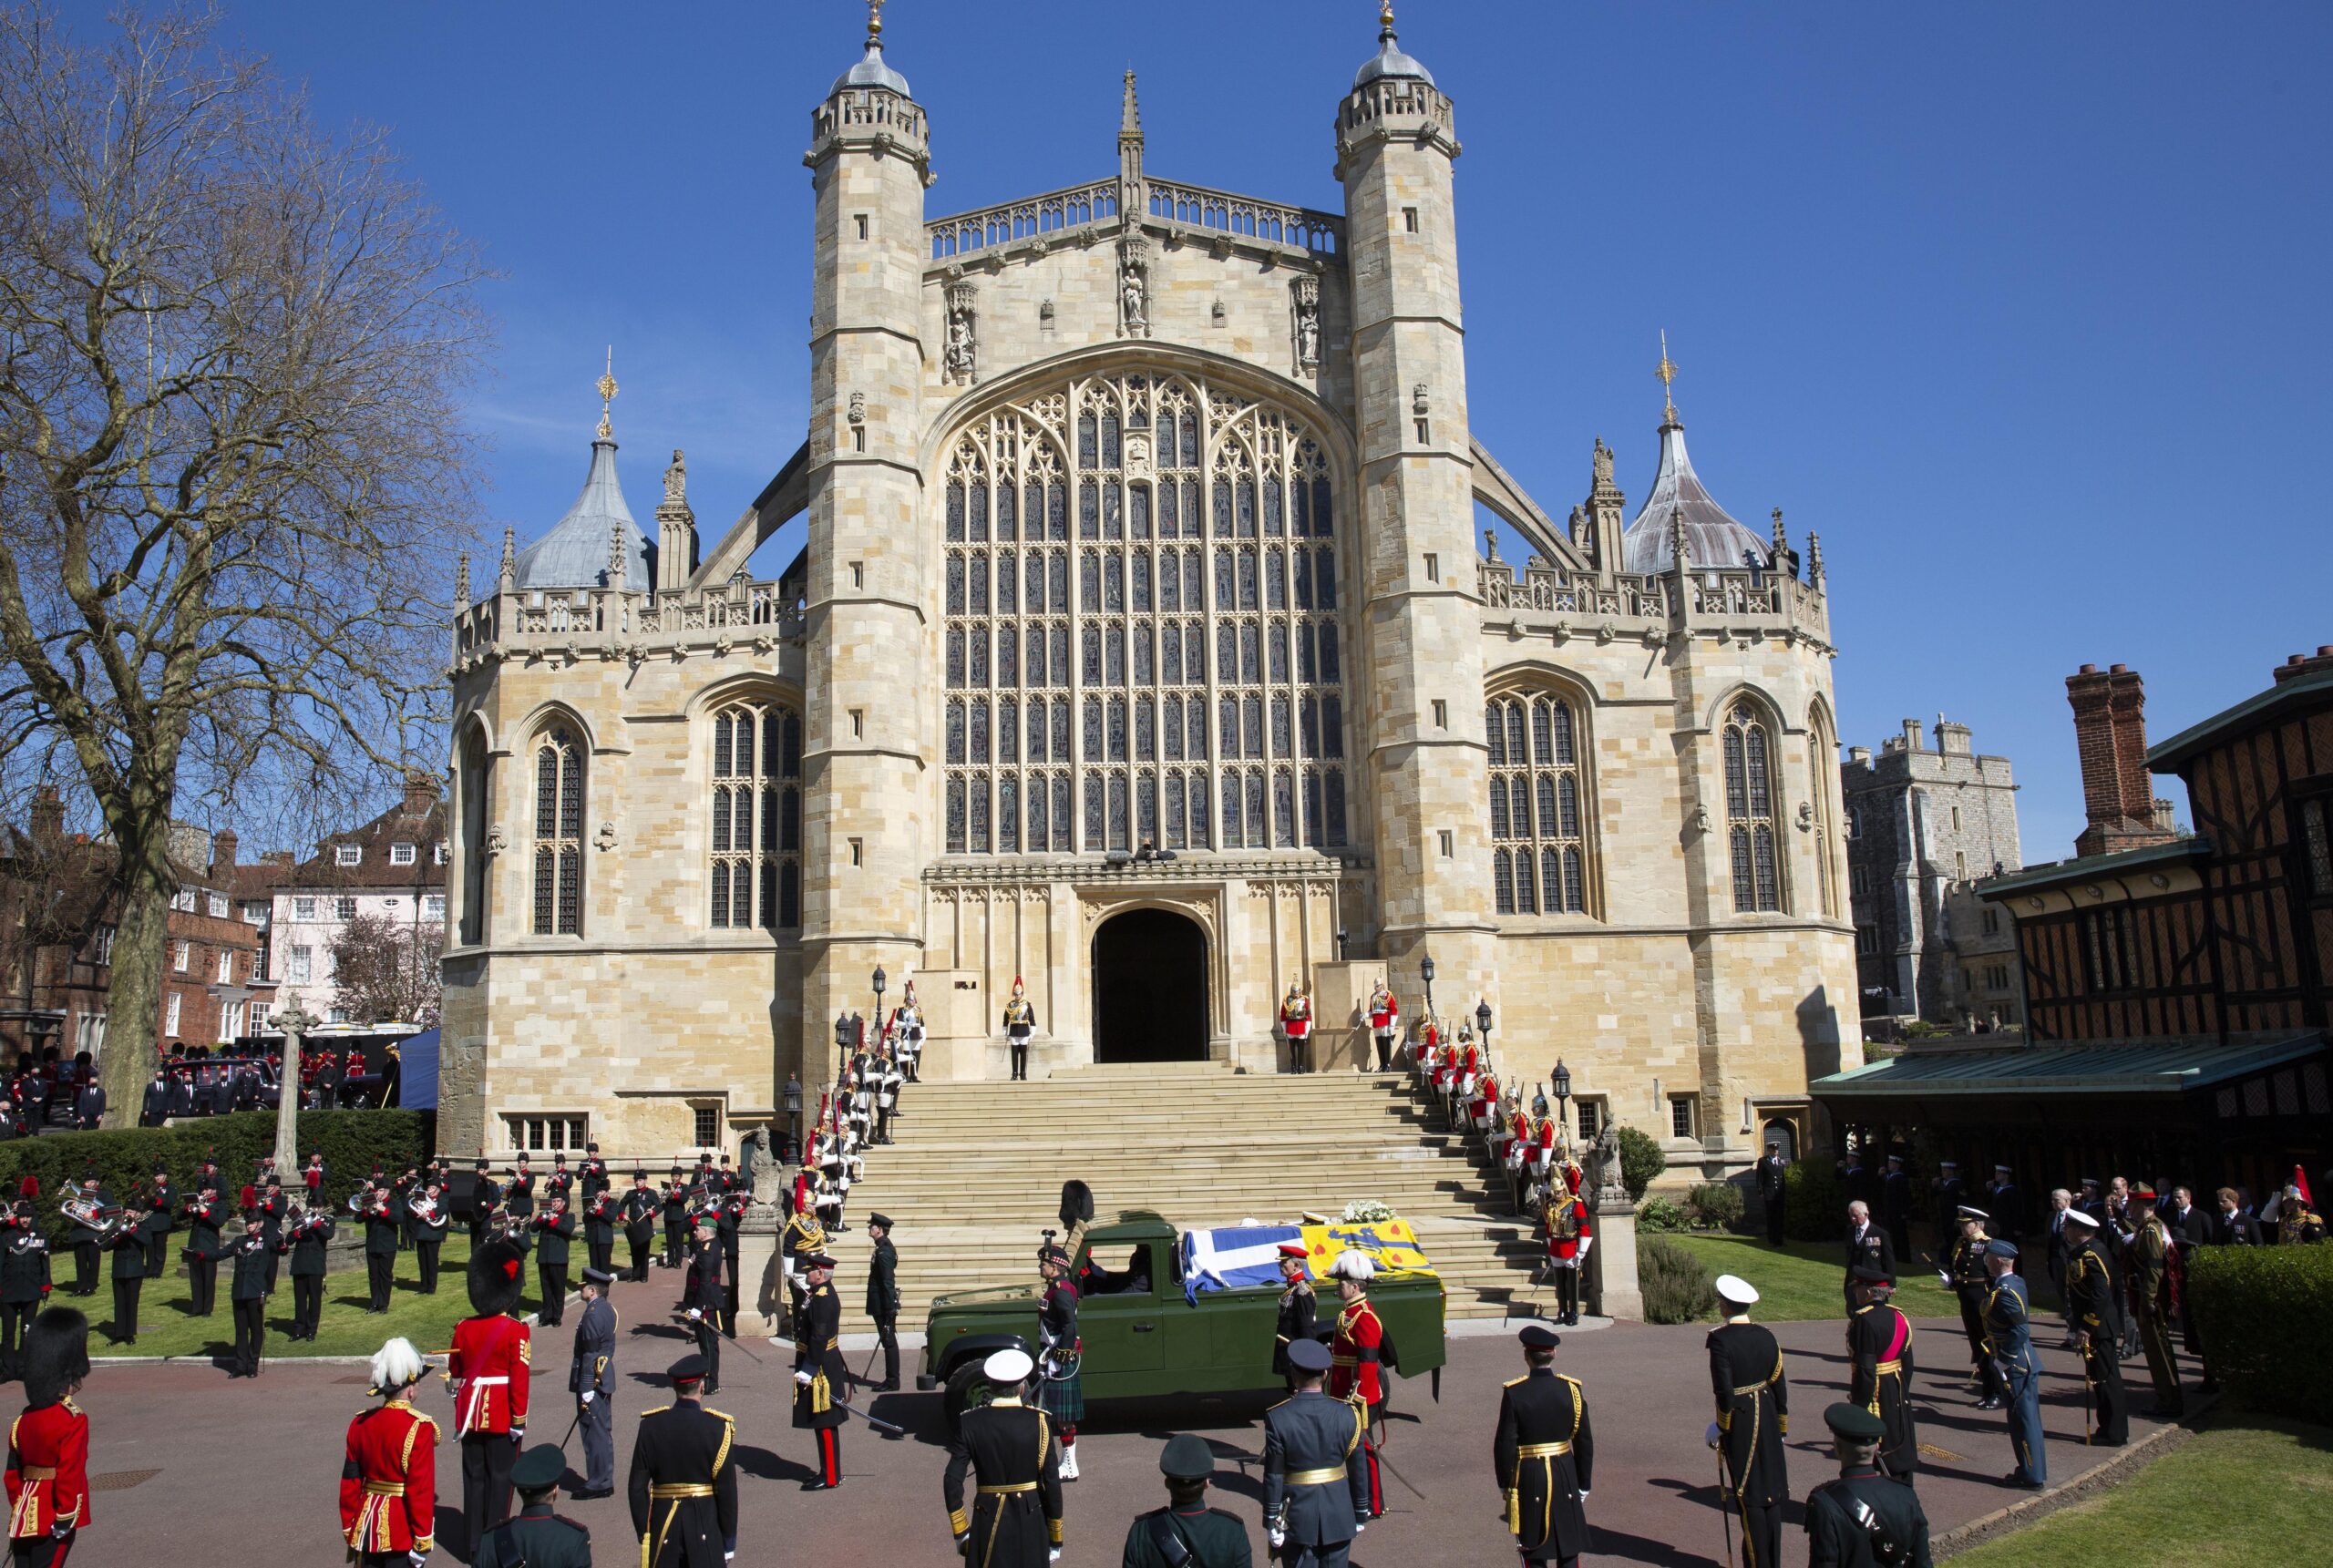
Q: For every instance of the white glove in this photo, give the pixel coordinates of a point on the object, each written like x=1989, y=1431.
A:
x=696, y=1314
x=1052, y=1553
x=1944, y=1279
x=1278, y=1539
x=417, y=1558
x=590, y=1395
x=1587, y=1242
x=803, y=1378
x=1583, y=1494
x=1711, y=1435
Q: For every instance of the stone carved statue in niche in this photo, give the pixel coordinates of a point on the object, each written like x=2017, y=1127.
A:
x=964, y=343
x=1134, y=290
x=1306, y=298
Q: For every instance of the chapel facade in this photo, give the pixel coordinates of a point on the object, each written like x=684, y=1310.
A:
x=1142, y=649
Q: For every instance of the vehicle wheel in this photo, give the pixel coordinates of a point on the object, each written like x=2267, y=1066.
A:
x=967, y=1389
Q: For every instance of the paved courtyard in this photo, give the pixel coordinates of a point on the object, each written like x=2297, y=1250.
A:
x=194, y=1470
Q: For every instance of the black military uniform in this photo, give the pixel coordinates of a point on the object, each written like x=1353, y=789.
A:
x=87, y=1240
x=821, y=1382
x=703, y=1301
x=518, y=1193
x=638, y=1223
x=1753, y=1398
x=1772, y=1189
x=205, y=1219
x=535, y=1536
x=309, y=1248
x=554, y=1240
x=429, y=1229
x=1950, y=1193
x=883, y=1298
x=2006, y=1207
x=594, y=1175
x=1545, y=1457
x=2093, y=1306
x=684, y=1485
x=161, y=1210
x=1879, y=1352
x=380, y=1254
x=1316, y=1466
x=128, y=1250
x=1298, y=1311
x=1187, y=1533
x=485, y=1194
x=1015, y=1463
x=1864, y=1520
x=1896, y=1205
x=1964, y=1270
x=248, y=1294
x=599, y=1228
x=676, y=1208
x=24, y=1285
x=725, y=1215
x=1875, y=1248
x=271, y=1207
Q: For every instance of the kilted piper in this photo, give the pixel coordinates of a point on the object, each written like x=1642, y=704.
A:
x=1061, y=1389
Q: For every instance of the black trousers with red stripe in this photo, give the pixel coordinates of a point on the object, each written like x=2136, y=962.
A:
x=830, y=1456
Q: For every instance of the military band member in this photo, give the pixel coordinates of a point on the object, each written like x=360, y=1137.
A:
x=24, y=1284
x=594, y=1173
x=684, y=1481
x=1752, y=1397
x=2094, y=1311
x=535, y=1536
x=883, y=1297
x=308, y=1239
x=486, y=1371
x=1570, y=1236
x=87, y=1240
x=160, y=1218
x=486, y=1197
x=673, y=1208
x=206, y=1214
x=247, y=1293
x=1544, y=1455
x=518, y=1196
x=821, y=1383
x=1851, y=1521
x=1964, y=1274
x=372, y=1208
x=1187, y=1533
x=1020, y=1023
x=1319, y=1489
x=1061, y=1394
x=600, y=1210
x=1357, y=1360
x=128, y=1249
x=638, y=1214
x=389, y=1480
x=702, y=1302
x=48, y=1445
x=1008, y=1449
x=1297, y=1307
x=2009, y=1340
x=1879, y=1354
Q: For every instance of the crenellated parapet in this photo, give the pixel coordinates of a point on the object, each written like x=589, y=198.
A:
x=570, y=625
x=1553, y=600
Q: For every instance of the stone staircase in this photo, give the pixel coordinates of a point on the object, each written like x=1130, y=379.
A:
x=975, y=1174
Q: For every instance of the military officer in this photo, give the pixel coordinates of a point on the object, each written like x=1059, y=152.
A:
x=1009, y=1451
x=536, y=1537
x=1020, y=1023
x=1544, y=1455
x=1867, y=1247
x=1879, y=1352
x=702, y=1302
x=1357, y=1357
x=2092, y=1308
x=821, y=1382
x=1753, y=1398
x=1187, y=1533
x=2009, y=1341
x=683, y=1483
x=1773, y=1187
x=388, y=1478
x=803, y=1238
x=2152, y=1266
x=1964, y=1275
x=2007, y=1204
x=883, y=1297
x=1317, y=1480
x=591, y=1379
x=1297, y=1309
x=1848, y=1520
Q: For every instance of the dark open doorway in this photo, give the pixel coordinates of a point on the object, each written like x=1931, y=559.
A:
x=1149, y=988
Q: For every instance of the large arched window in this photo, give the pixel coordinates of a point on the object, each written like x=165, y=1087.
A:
x=1190, y=690
x=559, y=835
x=1538, y=853
x=1751, y=810
x=756, y=837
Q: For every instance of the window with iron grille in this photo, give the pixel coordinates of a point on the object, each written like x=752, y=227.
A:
x=756, y=876
x=541, y=1134
x=559, y=835
x=708, y=1126
x=1591, y=1120
x=1538, y=854
x=1750, y=811
x=1680, y=1115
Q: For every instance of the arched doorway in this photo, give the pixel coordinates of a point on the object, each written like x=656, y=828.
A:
x=1149, y=988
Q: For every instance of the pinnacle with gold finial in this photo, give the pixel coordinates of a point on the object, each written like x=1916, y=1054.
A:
x=607, y=389
x=874, y=23
x=1385, y=15
x=1666, y=371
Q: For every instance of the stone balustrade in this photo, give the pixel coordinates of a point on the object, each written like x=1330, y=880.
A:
x=617, y=623
x=1029, y=218
x=1550, y=598
x=1245, y=217
x=1170, y=205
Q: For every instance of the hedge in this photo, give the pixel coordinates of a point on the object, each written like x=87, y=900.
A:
x=350, y=1142
x=1814, y=1201
x=2261, y=1311
x=1641, y=1162
x=1676, y=1286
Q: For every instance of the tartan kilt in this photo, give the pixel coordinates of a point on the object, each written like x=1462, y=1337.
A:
x=1063, y=1401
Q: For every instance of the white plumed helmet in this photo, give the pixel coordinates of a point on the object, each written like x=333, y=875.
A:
x=396, y=1364
x=1357, y=1267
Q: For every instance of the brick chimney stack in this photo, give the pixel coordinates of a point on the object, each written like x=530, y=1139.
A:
x=2302, y=664
x=420, y=792
x=222, y=851
x=2111, y=733
x=48, y=815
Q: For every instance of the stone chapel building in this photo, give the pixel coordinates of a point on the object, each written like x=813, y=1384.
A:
x=1141, y=649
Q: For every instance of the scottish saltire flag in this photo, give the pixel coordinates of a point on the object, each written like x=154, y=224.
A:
x=1233, y=1258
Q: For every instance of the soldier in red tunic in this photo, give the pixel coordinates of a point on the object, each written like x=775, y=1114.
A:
x=486, y=1371
x=388, y=1482
x=1570, y=1235
x=1356, y=1359
x=48, y=1446
x=1384, y=1023
x=1296, y=1022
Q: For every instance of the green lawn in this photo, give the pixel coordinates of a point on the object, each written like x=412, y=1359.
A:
x=1803, y=1280
x=168, y=1327
x=2245, y=1489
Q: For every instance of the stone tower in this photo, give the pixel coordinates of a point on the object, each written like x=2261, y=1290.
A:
x=1426, y=760
x=867, y=695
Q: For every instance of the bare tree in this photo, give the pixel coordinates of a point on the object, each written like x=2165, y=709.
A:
x=232, y=351
x=383, y=970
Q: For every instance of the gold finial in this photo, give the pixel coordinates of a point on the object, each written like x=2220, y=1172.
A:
x=607, y=390
x=874, y=23
x=1385, y=17
x=1666, y=371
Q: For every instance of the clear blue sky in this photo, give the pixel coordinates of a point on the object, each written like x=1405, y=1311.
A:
x=2022, y=307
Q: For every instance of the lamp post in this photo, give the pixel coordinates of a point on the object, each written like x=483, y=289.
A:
x=1425, y=973
x=879, y=979
x=1561, y=1081
x=793, y=1102
x=1483, y=1027
x=842, y=1044
x=295, y=1022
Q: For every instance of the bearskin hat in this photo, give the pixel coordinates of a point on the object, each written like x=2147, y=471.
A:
x=498, y=1277
x=1076, y=1203
x=57, y=1355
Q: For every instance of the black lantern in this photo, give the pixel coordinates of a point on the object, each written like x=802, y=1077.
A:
x=1425, y=973
x=1483, y=1019
x=792, y=1104
x=1562, y=1082
x=842, y=1043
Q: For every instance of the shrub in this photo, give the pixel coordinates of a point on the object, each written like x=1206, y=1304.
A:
x=1716, y=1205
x=1658, y=1215
x=1641, y=1162
x=1814, y=1201
x=2260, y=1311
x=1676, y=1286
x=350, y=1142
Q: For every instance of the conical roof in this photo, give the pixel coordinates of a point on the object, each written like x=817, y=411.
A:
x=574, y=553
x=1713, y=541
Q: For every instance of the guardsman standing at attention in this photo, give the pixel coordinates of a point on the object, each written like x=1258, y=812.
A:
x=1008, y=1449
x=1964, y=1273
x=2009, y=1338
x=1296, y=1024
x=821, y=1382
x=1879, y=1354
x=883, y=1297
x=48, y=1446
x=1020, y=1023
x=1773, y=1187
x=388, y=1481
x=591, y=1379
x=1356, y=1359
x=1298, y=1309
x=2154, y=1294
x=1187, y=1533
x=1752, y=1419
x=2096, y=1315
x=1570, y=1235
x=702, y=1302
x=1544, y=1456
x=639, y=1223
x=1317, y=1470
x=1384, y=1023
x=684, y=1482
x=1864, y=1519
x=535, y=1536
x=486, y=1372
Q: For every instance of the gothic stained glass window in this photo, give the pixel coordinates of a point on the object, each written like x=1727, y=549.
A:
x=558, y=834
x=1535, y=812
x=1746, y=752
x=1053, y=583
x=756, y=842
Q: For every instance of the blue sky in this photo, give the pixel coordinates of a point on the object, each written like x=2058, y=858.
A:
x=2022, y=307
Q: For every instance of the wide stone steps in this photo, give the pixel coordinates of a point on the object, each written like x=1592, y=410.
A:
x=975, y=1174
